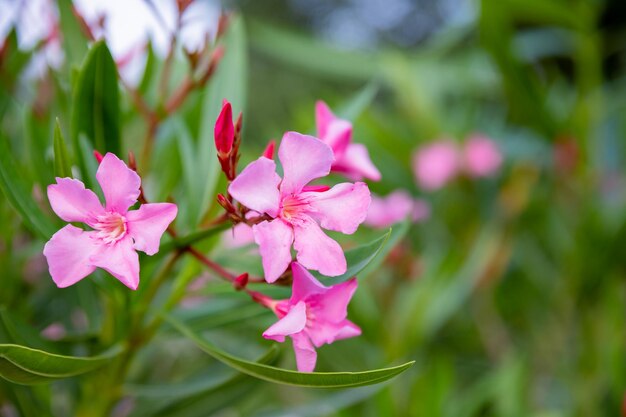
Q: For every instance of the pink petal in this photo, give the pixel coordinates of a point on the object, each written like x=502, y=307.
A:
x=119, y=183
x=356, y=164
x=323, y=118
x=274, y=239
x=304, y=284
x=316, y=250
x=120, y=260
x=386, y=211
x=348, y=330
x=147, y=225
x=481, y=156
x=338, y=137
x=72, y=202
x=324, y=332
x=333, y=306
x=306, y=357
x=68, y=254
x=239, y=236
x=436, y=164
x=342, y=208
x=304, y=158
x=257, y=187
x=421, y=210
x=293, y=322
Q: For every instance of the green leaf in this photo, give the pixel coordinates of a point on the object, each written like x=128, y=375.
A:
x=359, y=102
x=360, y=257
x=96, y=112
x=16, y=191
x=288, y=377
x=27, y=366
x=62, y=164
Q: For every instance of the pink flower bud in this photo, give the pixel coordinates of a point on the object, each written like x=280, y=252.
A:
x=98, y=156
x=269, y=150
x=224, y=130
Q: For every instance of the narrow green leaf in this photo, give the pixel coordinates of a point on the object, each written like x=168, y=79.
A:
x=27, y=366
x=288, y=377
x=96, y=112
x=62, y=164
x=359, y=102
x=16, y=191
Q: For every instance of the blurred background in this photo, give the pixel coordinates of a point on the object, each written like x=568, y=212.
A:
x=510, y=293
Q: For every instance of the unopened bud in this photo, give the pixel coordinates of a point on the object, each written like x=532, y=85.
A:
x=224, y=131
x=222, y=24
x=98, y=156
x=226, y=204
x=132, y=162
x=241, y=281
x=269, y=149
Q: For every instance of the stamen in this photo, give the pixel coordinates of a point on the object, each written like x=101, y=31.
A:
x=110, y=227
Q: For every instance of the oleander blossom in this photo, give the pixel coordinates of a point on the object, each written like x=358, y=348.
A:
x=298, y=211
x=117, y=233
x=481, y=156
x=394, y=208
x=313, y=316
x=436, y=163
x=351, y=159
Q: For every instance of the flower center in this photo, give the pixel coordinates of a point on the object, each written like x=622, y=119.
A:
x=292, y=206
x=110, y=227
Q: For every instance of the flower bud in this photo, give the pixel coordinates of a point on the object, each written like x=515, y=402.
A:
x=241, y=281
x=224, y=132
x=98, y=156
x=269, y=150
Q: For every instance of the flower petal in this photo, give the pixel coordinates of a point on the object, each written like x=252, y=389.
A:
x=147, y=224
x=257, y=187
x=323, y=118
x=356, y=164
x=304, y=158
x=338, y=137
x=119, y=183
x=385, y=211
x=120, y=260
x=293, y=322
x=342, y=208
x=316, y=250
x=334, y=304
x=306, y=356
x=72, y=202
x=274, y=239
x=348, y=330
x=68, y=254
x=435, y=164
x=304, y=284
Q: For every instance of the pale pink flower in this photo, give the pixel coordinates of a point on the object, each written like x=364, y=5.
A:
x=240, y=235
x=394, y=208
x=298, y=211
x=351, y=159
x=313, y=316
x=55, y=331
x=481, y=156
x=116, y=234
x=435, y=164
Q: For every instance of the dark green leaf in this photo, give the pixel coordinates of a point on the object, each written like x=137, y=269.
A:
x=27, y=366
x=62, y=164
x=288, y=377
x=16, y=191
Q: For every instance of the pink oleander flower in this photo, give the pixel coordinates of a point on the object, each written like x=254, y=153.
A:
x=394, y=208
x=435, y=164
x=313, y=316
x=298, y=211
x=351, y=159
x=481, y=155
x=116, y=234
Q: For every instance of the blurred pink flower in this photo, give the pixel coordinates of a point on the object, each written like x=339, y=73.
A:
x=351, y=159
x=394, y=208
x=239, y=236
x=73, y=253
x=435, y=164
x=297, y=212
x=313, y=316
x=481, y=157
x=54, y=331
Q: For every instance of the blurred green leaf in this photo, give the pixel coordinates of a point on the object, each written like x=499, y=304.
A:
x=96, y=112
x=62, y=164
x=27, y=366
x=14, y=188
x=288, y=377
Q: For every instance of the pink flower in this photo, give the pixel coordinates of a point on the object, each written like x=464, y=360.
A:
x=435, y=164
x=224, y=131
x=74, y=253
x=313, y=316
x=482, y=157
x=298, y=211
x=394, y=208
x=351, y=159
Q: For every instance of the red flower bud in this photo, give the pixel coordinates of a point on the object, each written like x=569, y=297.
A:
x=98, y=156
x=241, y=281
x=224, y=132
x=269, y=150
